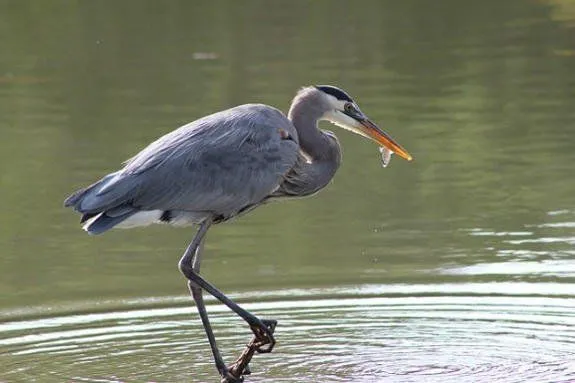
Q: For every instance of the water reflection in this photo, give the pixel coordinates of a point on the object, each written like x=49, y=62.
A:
x=546, y=250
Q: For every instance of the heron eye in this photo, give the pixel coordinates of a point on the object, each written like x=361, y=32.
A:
x=348, y=107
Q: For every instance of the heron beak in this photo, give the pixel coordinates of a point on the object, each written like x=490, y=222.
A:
x=382, y=138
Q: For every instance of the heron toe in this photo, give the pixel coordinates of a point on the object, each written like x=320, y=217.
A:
x=264, y=338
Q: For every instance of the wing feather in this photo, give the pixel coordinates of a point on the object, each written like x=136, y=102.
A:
x=220, y=163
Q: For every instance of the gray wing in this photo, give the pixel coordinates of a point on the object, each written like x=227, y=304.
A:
x=220, y=164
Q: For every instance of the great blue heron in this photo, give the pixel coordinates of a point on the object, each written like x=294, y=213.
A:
x=219, y=167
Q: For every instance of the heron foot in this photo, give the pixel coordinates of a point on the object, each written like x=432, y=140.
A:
x=228, y=377
x=264, y=340
x=237, y=370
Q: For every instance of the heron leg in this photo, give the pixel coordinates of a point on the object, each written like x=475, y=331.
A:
x=263, y=330
x=193, y=255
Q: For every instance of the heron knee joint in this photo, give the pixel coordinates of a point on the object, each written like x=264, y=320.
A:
x=186, y=269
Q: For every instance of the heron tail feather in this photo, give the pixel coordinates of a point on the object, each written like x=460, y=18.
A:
x=105, y=203
x=97, y=224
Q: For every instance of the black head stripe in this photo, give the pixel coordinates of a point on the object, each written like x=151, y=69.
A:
x=335, y=92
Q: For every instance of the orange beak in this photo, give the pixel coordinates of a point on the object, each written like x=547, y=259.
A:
x=382, y=138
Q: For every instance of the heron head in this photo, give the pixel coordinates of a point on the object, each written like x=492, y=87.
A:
x=345, y=113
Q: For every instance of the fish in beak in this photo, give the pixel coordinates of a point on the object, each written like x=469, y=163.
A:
x=372, y=131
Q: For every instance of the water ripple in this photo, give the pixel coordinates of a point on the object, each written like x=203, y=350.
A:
x=371, y=333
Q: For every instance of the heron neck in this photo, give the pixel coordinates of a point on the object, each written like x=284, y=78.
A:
x=307, y=177
x=312, y=140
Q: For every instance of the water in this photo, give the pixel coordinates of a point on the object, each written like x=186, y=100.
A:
x=394, y=333
x=457, y=267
